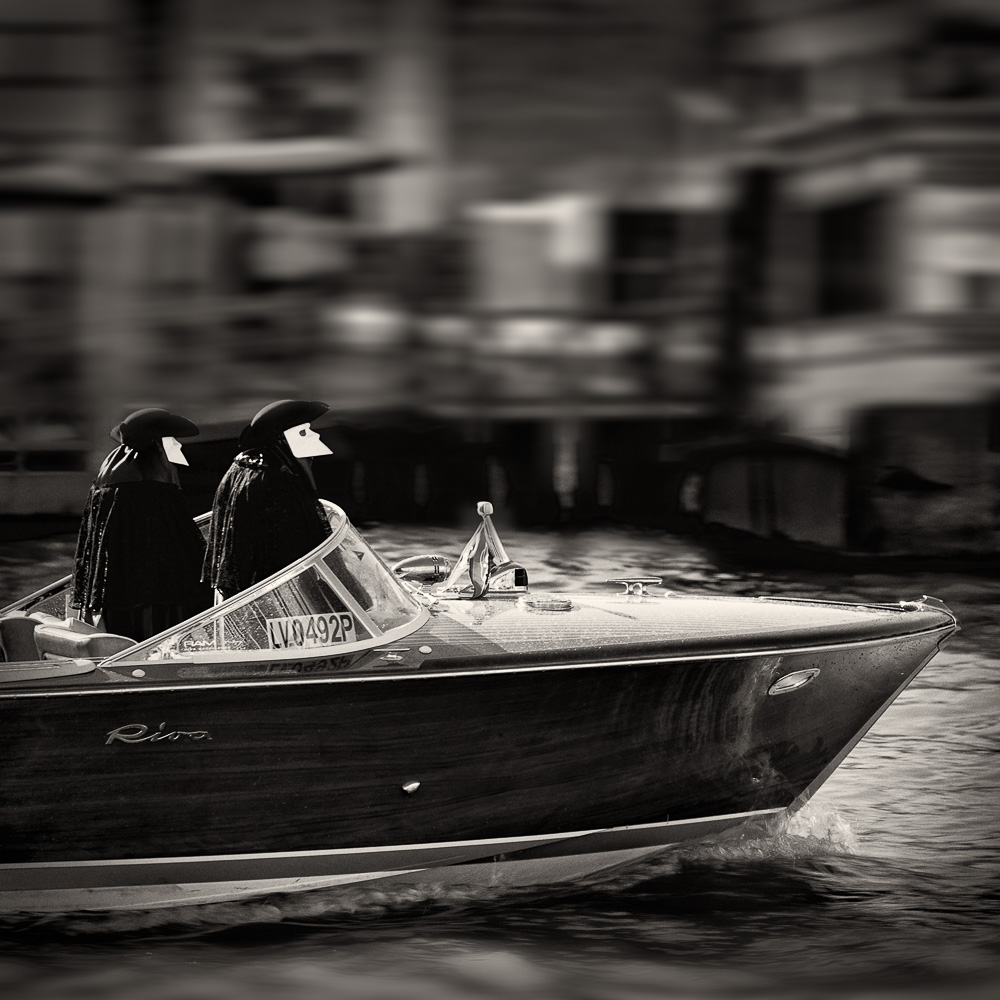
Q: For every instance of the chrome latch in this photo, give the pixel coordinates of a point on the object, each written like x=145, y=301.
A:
x=392, y=652
x=637, y=584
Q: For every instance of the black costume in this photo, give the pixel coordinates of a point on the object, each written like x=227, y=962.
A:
x=138, y=555
x=266, y=512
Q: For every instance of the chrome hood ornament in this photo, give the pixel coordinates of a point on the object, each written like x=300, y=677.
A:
x=484, y=566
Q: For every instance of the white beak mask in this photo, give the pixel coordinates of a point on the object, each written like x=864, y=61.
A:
x=305, y=442
x=174, y=451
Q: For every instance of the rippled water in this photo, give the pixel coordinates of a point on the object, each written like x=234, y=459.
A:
x=886, y=885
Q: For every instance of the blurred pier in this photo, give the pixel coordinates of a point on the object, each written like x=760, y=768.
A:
x=683, y=265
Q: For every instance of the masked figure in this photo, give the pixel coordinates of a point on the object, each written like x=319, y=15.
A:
x=139, y=553
x=266, y=512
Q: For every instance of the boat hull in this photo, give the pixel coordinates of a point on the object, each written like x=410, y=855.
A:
x=366, y=778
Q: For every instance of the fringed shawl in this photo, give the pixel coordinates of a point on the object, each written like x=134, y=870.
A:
x=266, y=514
x=137, y=544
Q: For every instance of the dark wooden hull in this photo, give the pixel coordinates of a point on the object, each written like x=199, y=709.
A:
x=307, y=777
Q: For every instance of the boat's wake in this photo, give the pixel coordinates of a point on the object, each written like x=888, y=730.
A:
x=359, y=904
x=814, y=830
x=815, y=833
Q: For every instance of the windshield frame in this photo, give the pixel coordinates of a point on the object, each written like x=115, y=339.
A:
x=339, y=523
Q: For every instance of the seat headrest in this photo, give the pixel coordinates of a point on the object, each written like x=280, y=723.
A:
x=44, y=619
x=17, y=637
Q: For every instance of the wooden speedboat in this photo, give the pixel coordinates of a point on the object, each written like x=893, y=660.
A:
x=340, y=723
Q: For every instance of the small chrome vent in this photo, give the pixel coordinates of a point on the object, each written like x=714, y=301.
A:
x=793, y=681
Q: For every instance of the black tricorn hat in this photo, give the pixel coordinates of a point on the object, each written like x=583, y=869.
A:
x=143, y=427
x=277, y=417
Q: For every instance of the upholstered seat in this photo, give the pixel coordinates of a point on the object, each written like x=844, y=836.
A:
x=59, y=642
x=71, y=623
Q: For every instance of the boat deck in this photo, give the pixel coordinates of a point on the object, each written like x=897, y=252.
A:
x=530, y=632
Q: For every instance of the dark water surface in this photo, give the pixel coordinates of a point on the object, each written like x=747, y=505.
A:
x=886, y=885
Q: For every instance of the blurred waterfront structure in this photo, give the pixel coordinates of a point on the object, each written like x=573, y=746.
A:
x=530, y=249
x=881, y=300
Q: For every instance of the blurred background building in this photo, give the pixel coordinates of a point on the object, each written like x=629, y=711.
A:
x=665, y=262
x=882, y=288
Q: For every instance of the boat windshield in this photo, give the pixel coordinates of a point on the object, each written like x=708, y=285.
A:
x=340, y=596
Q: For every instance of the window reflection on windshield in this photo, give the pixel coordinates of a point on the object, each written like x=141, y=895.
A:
x=352, y=598
x=370, y=582
x=295, y=614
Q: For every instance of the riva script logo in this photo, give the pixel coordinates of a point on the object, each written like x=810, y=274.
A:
x=138, y=733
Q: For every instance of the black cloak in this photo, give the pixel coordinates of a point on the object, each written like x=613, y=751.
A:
x=266, y=514
x=139, y=553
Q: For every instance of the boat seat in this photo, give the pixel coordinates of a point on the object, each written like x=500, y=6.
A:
x=43, y=619
x=76, y=624
x=56, y=642
x=17, y=637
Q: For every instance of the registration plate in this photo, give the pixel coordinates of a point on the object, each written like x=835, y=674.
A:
x=307, y=631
